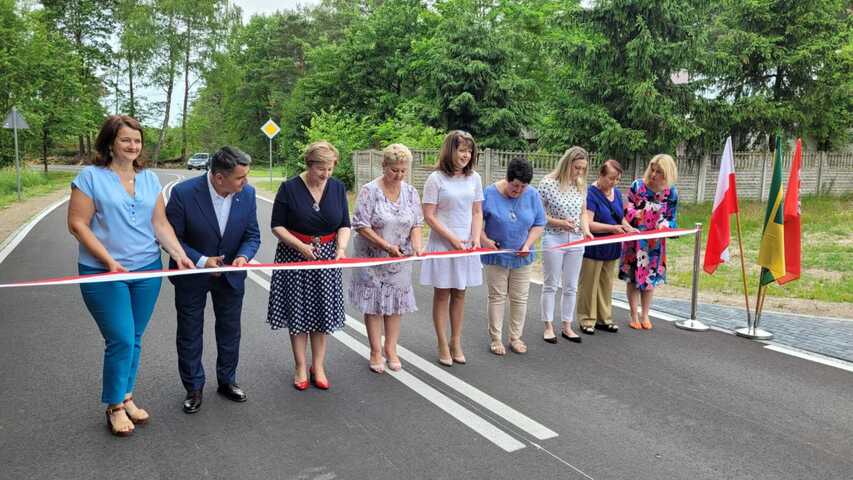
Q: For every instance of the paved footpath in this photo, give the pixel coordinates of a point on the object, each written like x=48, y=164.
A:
x=831, y=337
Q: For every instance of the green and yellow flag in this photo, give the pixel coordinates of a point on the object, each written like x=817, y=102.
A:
x=771, y=254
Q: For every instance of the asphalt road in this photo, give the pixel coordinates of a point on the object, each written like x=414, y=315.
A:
x=666, y=404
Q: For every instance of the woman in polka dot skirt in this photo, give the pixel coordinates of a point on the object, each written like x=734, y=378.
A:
x=310, y=218
x=563, y=194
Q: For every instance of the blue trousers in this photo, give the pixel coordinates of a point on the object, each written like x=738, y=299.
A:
x=190, y=300
x=121, y=310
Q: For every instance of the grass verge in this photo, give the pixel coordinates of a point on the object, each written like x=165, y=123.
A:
x=33, y=184
x=827, y=246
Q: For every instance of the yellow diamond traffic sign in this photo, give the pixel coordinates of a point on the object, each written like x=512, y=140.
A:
x=270, y=128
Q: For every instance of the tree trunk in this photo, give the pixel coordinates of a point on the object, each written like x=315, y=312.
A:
x=89, y=147
x=186, y=91
x=44, y=140
x=81, y=149
x=132, y=106
x=169, y=88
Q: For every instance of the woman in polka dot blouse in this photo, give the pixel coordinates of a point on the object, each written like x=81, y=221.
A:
x=563, y=194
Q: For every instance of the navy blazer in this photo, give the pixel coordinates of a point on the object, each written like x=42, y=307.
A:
x=190, y=211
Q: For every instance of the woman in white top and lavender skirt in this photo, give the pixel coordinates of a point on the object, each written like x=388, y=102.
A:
x=563, y=194
x=453, y=208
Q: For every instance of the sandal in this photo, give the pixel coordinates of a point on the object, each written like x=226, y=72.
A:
x=376, y=367
x=647, y=325
x=139, y=419
x=607, y=327
x=497, y=348
x=588, y=330
x=113, y=429
x=518, y=346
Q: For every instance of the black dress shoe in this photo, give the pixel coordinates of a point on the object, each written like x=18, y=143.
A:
x=232, y=392
x=576, y=338
x=550, y=339
x=192, y=402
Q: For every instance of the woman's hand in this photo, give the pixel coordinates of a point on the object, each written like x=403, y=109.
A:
x=475, y=244
x=393, y=251
x=113, y=266
x=523, y=251
x=489, y=243
x=307, y=252
x=419, y=251
x=184, y=263
x=457, y=244
x=569, y=224
x=340, y=253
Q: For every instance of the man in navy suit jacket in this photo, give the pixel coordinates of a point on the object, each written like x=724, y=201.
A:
x=215, y=218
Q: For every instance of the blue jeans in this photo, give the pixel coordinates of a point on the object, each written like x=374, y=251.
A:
x=122, y=310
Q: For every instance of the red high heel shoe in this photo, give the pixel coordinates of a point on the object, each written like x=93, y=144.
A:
x=300, y=384
x=321, y=384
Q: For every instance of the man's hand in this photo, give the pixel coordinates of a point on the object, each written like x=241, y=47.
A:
x=240, y=262
x=213, y=262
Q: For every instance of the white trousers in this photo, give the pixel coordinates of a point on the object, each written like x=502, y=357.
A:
x=560, y=267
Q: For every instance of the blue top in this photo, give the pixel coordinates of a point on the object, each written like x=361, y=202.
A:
x=294, y=208
x=511, y=234
x=121, y=223
x=603, y=211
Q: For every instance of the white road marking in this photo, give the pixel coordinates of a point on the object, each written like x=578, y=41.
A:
x=814, y=357
x=19, y=235
x=492, y=404
x=442, y=401
x=513, y=416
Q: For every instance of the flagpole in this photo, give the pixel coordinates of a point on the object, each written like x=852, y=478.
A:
x=743, y=270
x=752, y=331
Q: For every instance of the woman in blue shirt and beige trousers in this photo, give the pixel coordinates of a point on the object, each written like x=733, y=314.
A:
x=513, y=219
x=117, y=214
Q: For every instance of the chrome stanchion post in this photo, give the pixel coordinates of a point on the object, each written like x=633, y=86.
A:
x=693, y=324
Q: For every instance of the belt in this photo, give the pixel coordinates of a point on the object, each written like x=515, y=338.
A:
x=315, y=239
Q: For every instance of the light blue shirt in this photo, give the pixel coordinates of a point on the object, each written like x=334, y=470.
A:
x=221, y=208
x=498, y=223
x=121, y=223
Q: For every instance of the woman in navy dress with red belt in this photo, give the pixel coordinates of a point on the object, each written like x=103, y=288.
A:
x=310, y=218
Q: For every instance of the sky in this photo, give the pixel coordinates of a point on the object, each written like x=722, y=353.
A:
x=251, y=7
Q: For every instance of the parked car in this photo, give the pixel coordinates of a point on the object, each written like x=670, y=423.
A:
x=199, y=161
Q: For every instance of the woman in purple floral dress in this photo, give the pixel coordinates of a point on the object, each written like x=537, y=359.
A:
x=652, y=202
x=388, y=220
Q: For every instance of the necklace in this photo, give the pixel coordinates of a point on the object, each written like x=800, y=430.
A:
x=514, y=202
x=311, y=190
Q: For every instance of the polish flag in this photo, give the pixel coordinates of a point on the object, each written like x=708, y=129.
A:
x=725, y=204
x=792, y=219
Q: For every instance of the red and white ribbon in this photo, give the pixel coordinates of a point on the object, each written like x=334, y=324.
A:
x=341, y=263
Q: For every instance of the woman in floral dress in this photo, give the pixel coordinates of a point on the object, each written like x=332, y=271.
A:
x=388, y=220
x=652, y=202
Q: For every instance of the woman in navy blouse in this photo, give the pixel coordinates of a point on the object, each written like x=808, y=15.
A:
x=605, y=216
x=310, y=218
x=514, y=219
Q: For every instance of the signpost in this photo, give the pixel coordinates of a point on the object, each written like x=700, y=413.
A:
x=14, y=121
x=270, y=129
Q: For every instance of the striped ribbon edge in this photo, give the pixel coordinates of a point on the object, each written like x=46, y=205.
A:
x=341, y=263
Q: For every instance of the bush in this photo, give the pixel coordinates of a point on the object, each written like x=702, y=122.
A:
x=349, y=134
